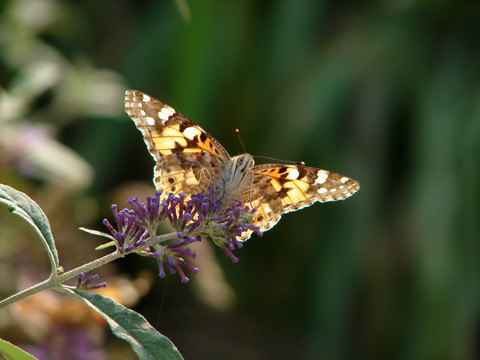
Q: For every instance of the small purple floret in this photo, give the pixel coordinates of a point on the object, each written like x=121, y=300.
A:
x=229, y=254
x=85, y=284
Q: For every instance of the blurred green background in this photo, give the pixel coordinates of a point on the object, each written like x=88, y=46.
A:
x=386, y=92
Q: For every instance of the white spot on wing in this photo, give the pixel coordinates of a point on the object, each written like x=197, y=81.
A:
x=143, y=112
x=150, y=120
x=321, y=177
x=190, y=132
x=322, y=190
x=163, y=116
x=168, y=110
x=165, y=113
x=293, y=174
x=146, y=98
x=344, y=179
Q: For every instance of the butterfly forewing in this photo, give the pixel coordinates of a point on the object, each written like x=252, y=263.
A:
x=187, y=157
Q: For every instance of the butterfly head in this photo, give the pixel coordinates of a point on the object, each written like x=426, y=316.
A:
x=242, y=163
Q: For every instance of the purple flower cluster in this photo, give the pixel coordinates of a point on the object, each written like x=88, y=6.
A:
x=86, y=283
x=198, y=217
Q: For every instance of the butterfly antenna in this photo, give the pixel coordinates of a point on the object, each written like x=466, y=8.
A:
x=302, y=163
x=240, y=140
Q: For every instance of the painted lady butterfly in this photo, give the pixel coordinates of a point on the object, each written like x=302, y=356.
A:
x=191, y=161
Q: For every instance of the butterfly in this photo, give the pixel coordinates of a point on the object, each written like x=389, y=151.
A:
x=190, y=160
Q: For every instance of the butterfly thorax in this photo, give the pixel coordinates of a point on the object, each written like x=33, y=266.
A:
x=235, y=179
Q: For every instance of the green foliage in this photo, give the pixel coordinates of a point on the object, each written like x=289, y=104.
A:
x=124, y=323
x=128, y=325
x=21, y=205
x=11, y=352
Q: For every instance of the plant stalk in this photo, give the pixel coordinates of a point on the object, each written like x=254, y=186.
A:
x=55, y=280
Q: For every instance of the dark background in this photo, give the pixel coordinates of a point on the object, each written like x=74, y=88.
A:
x=384, y=92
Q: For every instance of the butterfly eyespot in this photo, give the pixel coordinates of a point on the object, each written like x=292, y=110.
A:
x=260, y=218
x=171, y=180
x=174, y=188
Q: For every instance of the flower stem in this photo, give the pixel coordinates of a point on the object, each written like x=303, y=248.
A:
x=89, y=266
x=55, y=281
x=49, y=283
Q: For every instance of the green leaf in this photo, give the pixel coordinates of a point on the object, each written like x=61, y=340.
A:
x=100, y=233
x=11, y=352
x=20, y=204
x=132, y=327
